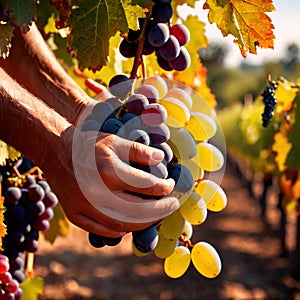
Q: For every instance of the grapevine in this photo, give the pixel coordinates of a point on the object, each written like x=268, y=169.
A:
x=154, y=110
x=28, y=202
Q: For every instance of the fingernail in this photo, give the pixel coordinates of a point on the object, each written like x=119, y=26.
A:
x=158, y=155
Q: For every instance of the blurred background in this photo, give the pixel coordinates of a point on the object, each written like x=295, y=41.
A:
x=258, y=241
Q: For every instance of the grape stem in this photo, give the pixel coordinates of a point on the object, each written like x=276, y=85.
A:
x=187, y=243
x=29, y=265
x=138, y=59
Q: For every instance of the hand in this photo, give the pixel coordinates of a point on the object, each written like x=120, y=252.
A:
x=93, y=191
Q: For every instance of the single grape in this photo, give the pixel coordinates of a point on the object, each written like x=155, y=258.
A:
x=101, y=111
x=182, y=95
x=182, y=143
x=178, y=262
x=113, y=126
x=128, y=49
x=154, y=114
x=182, y=61
x=50, y=200
x=165, y=247
x=147, y=48
x=182, y=176
x=96, y=240
x=178, y=113
x=35, y=209
x=194, y=209
x=4, y=264
x=139, y=136
x=167, y=151
x=210, y=157
x=19, y=275
x=36, y=192
x=136, y=104
x=201, y=126
x=145, y=240
x=159, y=170
x=162, y=12
x=149, y=91
x=213, y=195
x=120, y=86
x=13, y=195
x=159, y=83
x=131, y=122
x=45, y=185
x=170, y=49
x=206, y=260
x=172, y=226
x=159, y=134
x=181, y=32
x=163, y=63
x=158, y=34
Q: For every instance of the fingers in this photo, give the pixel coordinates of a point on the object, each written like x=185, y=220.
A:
x=138, y=181
x=137, y=152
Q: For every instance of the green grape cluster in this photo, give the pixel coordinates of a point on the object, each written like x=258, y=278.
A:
x=190, y=132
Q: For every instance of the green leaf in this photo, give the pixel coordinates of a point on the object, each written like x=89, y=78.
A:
x=142, y=3
x=6, y=34
x=133, y=12
x=293, y=160
x=6, y=152
x=93, y=23
x=115, y=63
x=59, y=225
x=22, y=12
x=32, y=288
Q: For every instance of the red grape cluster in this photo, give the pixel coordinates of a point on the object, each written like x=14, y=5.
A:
x=166, y=40
x=29, y=203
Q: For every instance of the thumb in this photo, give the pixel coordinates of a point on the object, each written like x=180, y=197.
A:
x=137, y=152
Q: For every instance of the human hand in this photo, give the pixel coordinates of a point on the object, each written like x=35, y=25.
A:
x=98, y=190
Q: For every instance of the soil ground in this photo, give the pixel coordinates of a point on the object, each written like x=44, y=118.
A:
x=253, y=268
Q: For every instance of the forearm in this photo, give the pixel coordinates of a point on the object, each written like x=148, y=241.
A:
x=27, y=123
x=35, y=67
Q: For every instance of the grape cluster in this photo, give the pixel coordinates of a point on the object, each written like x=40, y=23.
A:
x=166, y=40
x=269, y=100
x=154, y=112
x=29, y=203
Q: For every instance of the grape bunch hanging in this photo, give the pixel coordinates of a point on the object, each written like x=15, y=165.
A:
x=269, y=100
x=159, y=36
x=153, y=112
x=29, y=203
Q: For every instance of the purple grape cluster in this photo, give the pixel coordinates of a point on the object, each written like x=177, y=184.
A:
x=29, y=203
x=269, y=100
x=140, y=118
x=160, y=37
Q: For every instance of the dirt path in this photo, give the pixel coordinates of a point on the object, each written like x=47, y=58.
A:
x=250, y=252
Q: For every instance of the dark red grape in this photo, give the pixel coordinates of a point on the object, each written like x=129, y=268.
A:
x=164, y=64
x=154, y=114
x=181, y=32
x=120, y=86
x=162, y=12
x=136, y=103
x=182, y=61
x=128, y=49
x=171, y=49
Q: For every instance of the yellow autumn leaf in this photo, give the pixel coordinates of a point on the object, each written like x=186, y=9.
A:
x=246, y=20
x=285, y=95
x=281, y=147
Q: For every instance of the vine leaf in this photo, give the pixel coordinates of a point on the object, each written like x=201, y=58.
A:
x=282, y=148
x=22, y=12
x=93, y=23
x=246, y=20
x=292, y=160
x=6, y=34
x=285, y=95
x=133, y=12
x=32, y=288
x=6, y=152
